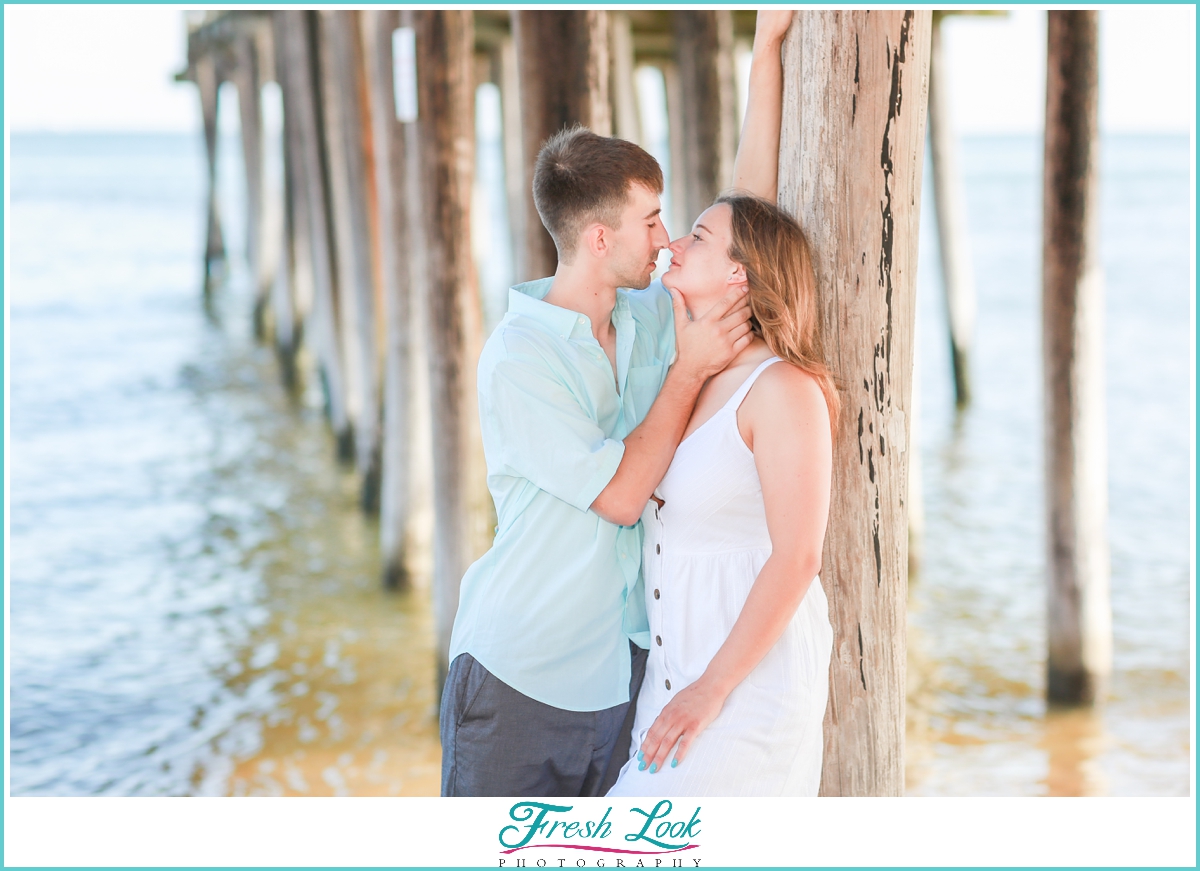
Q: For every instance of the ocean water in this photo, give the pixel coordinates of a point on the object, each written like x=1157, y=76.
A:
x=195, y=598
x=978, y=722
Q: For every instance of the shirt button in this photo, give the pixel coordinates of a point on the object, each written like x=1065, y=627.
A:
x=656, y=594
x=582, y=321
x=668, y=683
x=658, y=638
x=658, y=548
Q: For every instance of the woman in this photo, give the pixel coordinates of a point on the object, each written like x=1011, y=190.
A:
x=737, y=679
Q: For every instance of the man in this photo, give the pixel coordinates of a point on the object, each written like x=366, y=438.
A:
x=548, y=643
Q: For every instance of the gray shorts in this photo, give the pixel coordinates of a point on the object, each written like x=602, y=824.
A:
x=499, y=742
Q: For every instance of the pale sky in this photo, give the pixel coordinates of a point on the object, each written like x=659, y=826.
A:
x=110, y=68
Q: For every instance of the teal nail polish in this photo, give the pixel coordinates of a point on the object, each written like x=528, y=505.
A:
x=674, y=762
x=641, y=756
x=642, y=766
x=654, y=768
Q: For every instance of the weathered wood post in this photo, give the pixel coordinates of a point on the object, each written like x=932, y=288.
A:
x=341, y=62
x=446, y=122
x=850, y=170
x=958, y=281
x=680, y=220
x=562, y=63
x=517, y=193
x=208, y=83
x=246, y=79
x=300, y=101
x=707, y=105
x=1080, y=617
x=627, y=123
x=395, y=253
x=292, y=294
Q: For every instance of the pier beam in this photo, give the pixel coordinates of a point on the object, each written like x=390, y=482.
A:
x=562, y=69
x=1079, y=612
x=292, y=295
x=396, y=250
x=297, y=27
x=247, y=80
x=707, y=110
x=850, y=161
x=446, y=128
x=341, y=63
x=208, y=83
x=627, y=122
x=958, y=282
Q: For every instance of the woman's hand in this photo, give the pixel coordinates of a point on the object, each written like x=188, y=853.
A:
x=684, y=717
x=771, y=25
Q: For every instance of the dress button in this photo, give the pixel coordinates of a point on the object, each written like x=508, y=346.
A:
x=658, y=638
x=658, y=548
x=656, y=594
x=668, y=683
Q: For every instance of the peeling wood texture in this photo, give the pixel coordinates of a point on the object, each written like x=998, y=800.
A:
x=1080, y=617
x=563, y=75
x=446, y=127
x=958, y=282
x=707, y=109
x=855, y=88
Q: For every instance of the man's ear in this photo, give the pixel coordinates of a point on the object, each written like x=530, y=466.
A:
x=595, y=238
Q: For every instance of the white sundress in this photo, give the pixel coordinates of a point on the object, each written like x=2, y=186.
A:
x=703, y=550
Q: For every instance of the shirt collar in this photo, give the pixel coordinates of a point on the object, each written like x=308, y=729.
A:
x=528, y=300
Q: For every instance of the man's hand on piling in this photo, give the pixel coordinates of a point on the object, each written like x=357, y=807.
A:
x=707, y=344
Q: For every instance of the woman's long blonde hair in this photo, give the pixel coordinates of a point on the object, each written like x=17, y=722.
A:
x=769, y=243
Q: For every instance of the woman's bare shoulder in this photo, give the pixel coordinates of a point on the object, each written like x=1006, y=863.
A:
x=786, y=393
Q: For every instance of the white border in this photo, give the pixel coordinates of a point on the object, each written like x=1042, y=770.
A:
x=463, y=832
x=733, y=832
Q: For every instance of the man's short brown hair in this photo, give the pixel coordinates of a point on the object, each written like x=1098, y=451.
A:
x=581, y=177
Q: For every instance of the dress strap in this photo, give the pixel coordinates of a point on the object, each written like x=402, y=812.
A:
x=735, y=401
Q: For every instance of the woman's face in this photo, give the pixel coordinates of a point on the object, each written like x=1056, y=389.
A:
x=701, y=271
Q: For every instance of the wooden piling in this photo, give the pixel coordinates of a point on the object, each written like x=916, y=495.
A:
x=855, y=87
x=958, y=281
x=1079, y=612
x=707, y=104
x=343, y=122
x=293, y=291
x=300, y=100
x=446, y=127
x=246, y=79
x=627, y=122
x=208, y=83
x=562, y=63
x=680, y=219
x=395, y=252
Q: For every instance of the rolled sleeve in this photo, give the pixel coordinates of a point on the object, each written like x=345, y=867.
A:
x=543, y=432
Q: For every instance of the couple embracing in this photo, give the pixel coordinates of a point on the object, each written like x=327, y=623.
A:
x=649, y=620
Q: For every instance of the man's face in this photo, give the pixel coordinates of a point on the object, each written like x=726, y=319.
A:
x=638, y=239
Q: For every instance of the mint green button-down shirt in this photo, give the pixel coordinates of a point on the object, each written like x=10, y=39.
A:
x=551, y=608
